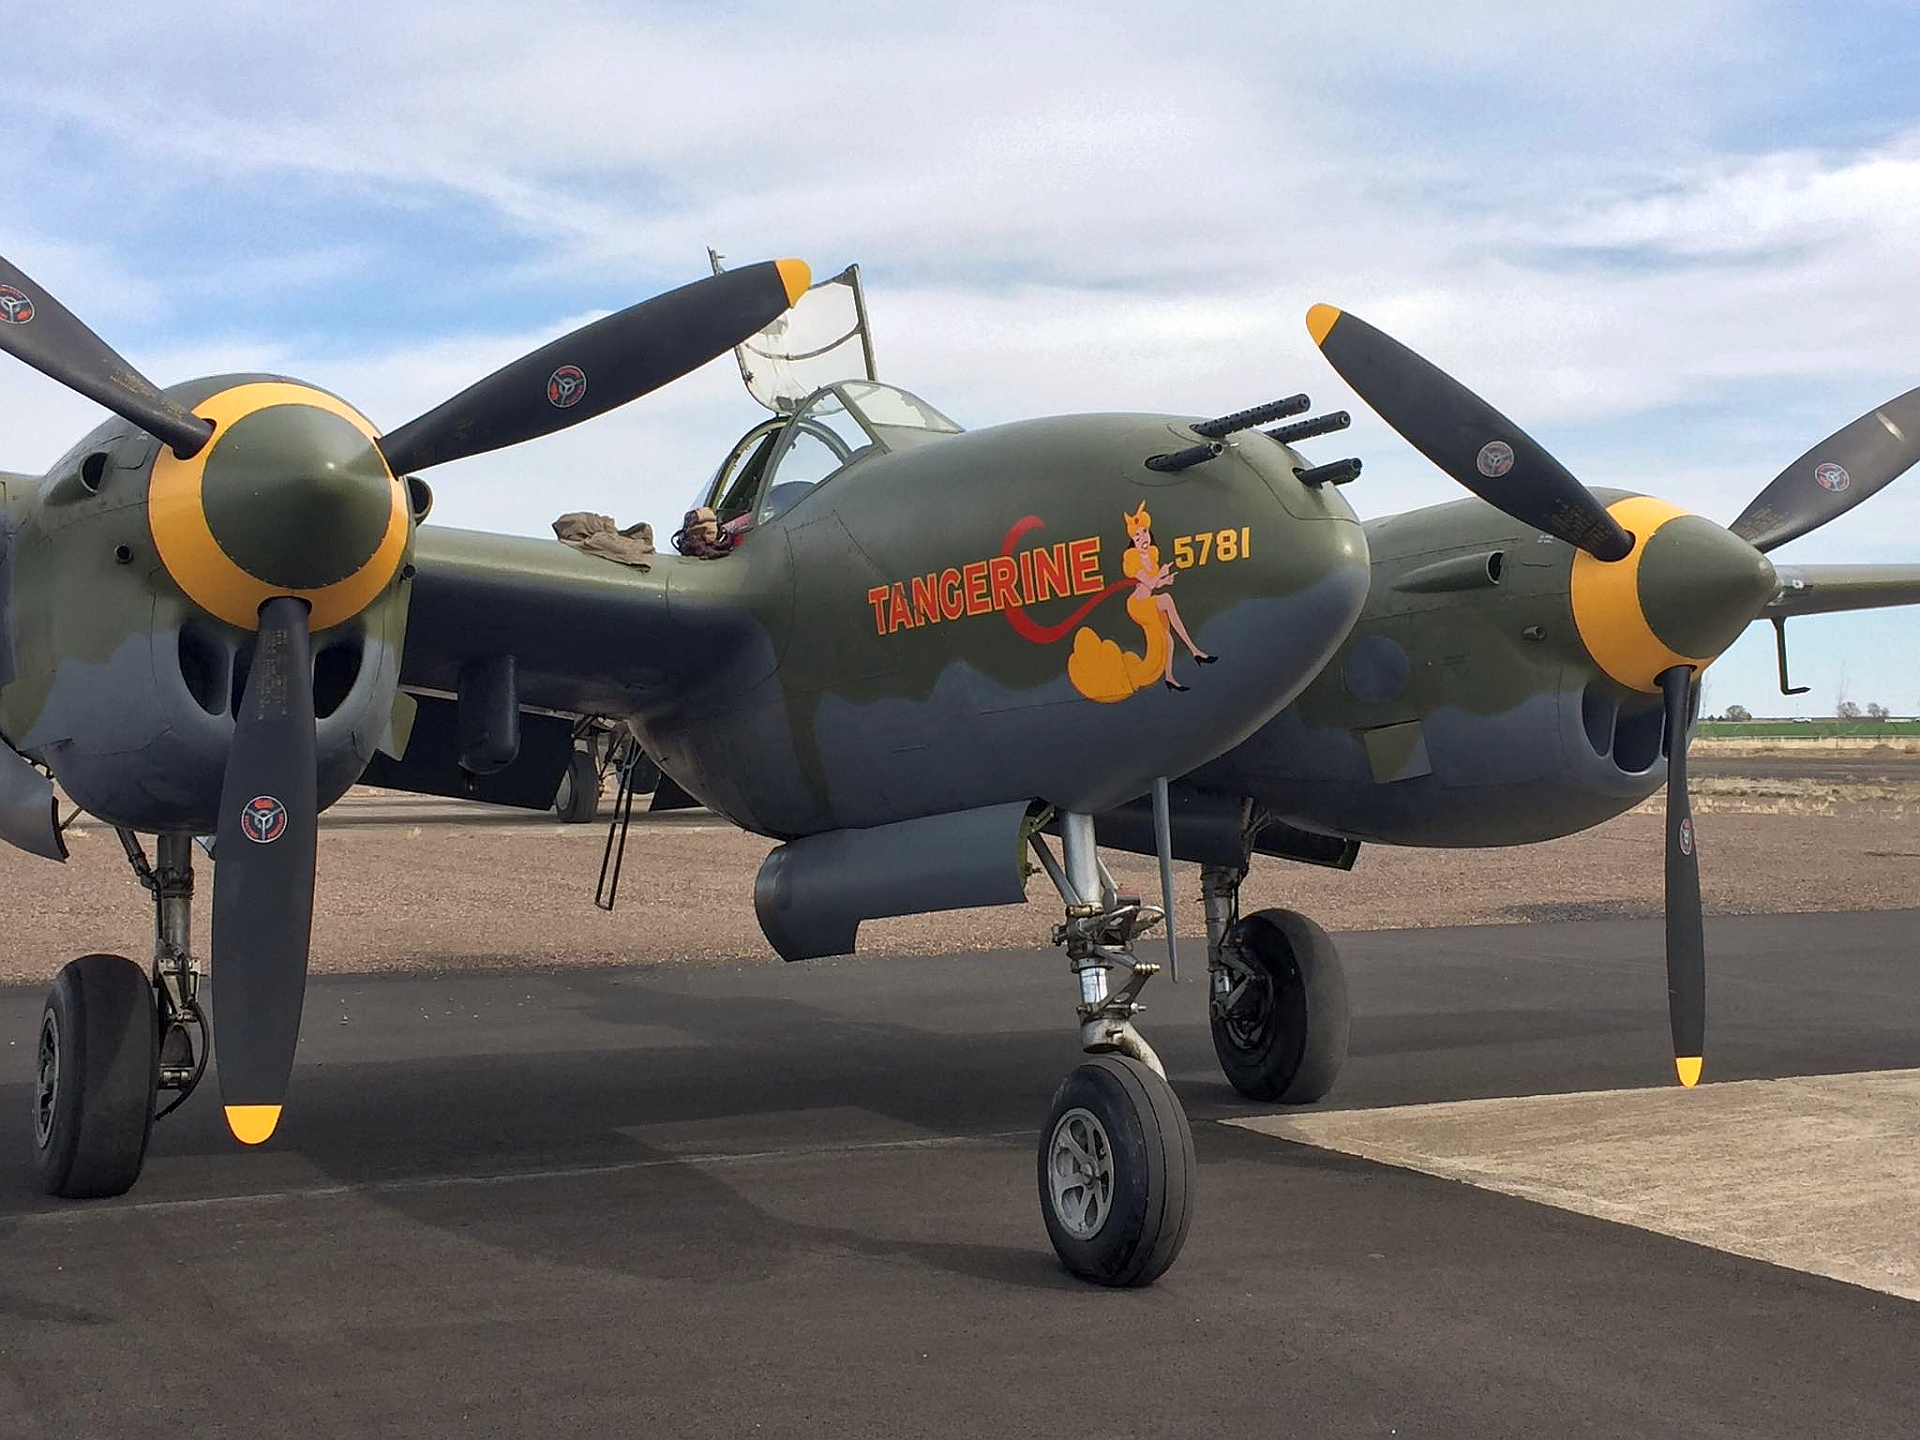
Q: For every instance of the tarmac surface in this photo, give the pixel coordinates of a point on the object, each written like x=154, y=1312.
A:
x=799, y=1200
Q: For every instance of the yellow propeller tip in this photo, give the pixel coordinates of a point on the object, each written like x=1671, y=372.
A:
x=252, y=1124
x=1688, y=1067
x=796, y=276
x=1319, y=321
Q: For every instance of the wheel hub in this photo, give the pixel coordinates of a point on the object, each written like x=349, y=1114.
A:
x=1080, y=1172
x=47, y=1081
x=1246, y=1009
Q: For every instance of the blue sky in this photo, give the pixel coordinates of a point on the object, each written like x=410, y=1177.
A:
x=1678, y=242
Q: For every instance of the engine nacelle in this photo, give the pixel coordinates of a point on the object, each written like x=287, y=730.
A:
x=1553, y=764
x=124, y=687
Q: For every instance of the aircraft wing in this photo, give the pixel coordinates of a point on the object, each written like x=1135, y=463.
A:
x=586, y=633
x=1823, y=589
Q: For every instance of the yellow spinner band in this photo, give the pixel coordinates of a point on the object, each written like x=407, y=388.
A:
x=178, y=519
x=1606, y=603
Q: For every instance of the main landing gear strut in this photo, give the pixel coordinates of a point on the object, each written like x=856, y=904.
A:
x=1277, y=996
x=113, y=1035
x=1116, y=1160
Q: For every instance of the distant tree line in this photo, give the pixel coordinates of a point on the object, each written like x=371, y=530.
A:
x=1844, y=709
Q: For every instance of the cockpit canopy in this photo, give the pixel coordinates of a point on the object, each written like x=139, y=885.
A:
x=835, y=428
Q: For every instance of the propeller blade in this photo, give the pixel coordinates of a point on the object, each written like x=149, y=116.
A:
x=1465, y=436
x=1835, y=475
x=263, y=876
x=38, y=329
x=1686, y=935
x=601, y=365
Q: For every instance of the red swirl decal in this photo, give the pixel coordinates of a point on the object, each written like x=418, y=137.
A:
x=1028, y=629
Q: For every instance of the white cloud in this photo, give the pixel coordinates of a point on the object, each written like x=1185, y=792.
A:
x=1057, y=208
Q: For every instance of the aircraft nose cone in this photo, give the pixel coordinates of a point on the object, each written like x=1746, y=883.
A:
x=296, y=496
x=1701, y=585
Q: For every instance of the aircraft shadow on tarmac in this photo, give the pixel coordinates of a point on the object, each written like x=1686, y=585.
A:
x=442, y=1141
x=721, y=1125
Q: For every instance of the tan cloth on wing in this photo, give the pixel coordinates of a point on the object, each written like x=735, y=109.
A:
x=597, y=535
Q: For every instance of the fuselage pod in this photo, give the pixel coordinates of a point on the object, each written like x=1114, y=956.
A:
x=1028, y=612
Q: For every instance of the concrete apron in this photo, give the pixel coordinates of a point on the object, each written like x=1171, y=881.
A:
x=1816, y=1173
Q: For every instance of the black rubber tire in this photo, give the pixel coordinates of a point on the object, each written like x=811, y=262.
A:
x=1294, y=1057
x=578, y=799
x=108, y=1036
x=646, y=776
x=1153, y=1173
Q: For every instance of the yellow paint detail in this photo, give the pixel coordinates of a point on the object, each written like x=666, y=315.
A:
x=1319, y=321
x=252, y=1124
x=796, y=276
x=1689, y=1068
x=1606, y=603
x=208, y=575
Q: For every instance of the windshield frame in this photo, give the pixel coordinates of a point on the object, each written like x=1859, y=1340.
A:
x=750, y=451
x=881, y=439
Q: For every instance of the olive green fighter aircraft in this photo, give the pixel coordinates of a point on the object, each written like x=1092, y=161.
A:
x=221, y=604
x=930, y=657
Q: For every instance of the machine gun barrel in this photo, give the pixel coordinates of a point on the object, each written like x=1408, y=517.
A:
x=1337, y=472
x=1246, y=419
x=1184, y=459
x=1307, y=429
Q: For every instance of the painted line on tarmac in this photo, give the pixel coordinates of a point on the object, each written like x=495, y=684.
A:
x=1815, y=1173
x=75, y=1212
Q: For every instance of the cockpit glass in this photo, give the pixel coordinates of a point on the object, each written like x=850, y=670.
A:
x=733, y=489
x=882, y=407
x=836, y=427
x=825, y=438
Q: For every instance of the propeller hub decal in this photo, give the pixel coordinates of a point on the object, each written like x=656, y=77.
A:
x=1494, y=460
x=263, y=819
x=566, y=387
x=1832, y=477
x=16, y=306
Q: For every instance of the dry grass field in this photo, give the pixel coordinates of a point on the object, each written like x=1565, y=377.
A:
x=407, y=883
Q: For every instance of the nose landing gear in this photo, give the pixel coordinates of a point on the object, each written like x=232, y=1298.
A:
x=1116, y=1172
x=1116, y=1162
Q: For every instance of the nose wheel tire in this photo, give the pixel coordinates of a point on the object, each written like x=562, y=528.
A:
x=96, y=1070
x=1116, y=1170
x=1280, y=1022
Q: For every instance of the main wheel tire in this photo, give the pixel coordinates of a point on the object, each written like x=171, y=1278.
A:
x=98, y=1066
x=1116, y=1172
x=646, y=776
x=578, y=800
x=1287, y=1039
